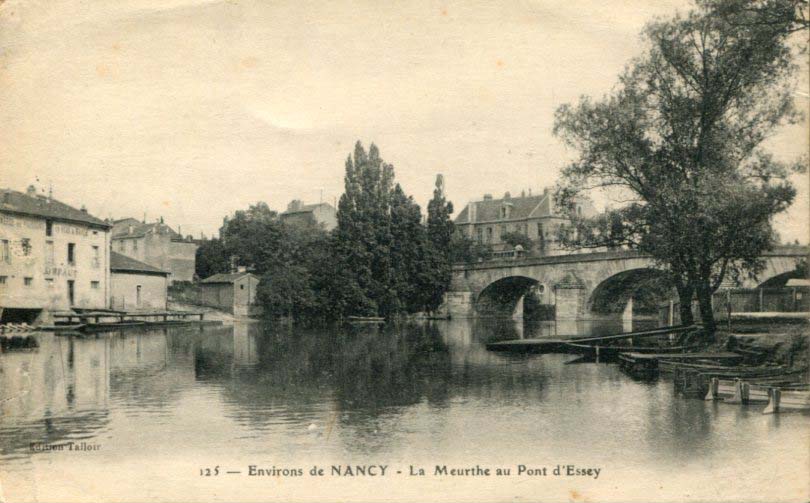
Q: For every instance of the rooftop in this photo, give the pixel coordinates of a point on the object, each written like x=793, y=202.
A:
x=122, y=263
x=40, y=205
x=522, y=207
x=131, y=228
x=304, y=208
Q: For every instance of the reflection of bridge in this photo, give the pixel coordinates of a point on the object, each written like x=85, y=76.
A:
x=579, y=286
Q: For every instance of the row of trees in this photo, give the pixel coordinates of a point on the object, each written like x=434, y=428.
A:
x=679, y=143
x=383, y=259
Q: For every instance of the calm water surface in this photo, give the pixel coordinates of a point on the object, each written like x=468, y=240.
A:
x=163, y=404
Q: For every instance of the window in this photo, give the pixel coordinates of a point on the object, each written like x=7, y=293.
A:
x=134, y=245
x=71, y=254
x=480, y=234
x=5, y=252
x=94, y=285
x=49, y=252
x=96, y=257
x=25, y=244
x=241, y=287
x=489, y=234
x=28, y=281
x=121, y=245
x=48, y=228
x=3, y=280
x=49, y=282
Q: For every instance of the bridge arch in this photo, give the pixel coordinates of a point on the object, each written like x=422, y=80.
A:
x=647, y=287
x=501, y=297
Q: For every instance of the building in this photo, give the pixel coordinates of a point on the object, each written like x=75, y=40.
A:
x=156, y=244
x=320, y=214
x=488, y=220
x=52, y=256
x=135, y=285
x=232, y=292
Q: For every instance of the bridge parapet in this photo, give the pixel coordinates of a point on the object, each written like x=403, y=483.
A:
x=590, y=269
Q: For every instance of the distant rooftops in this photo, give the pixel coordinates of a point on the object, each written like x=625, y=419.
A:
x=519, y=208
x=122, y=263
x=40, y=205
x=132, y=228
x=297, y=206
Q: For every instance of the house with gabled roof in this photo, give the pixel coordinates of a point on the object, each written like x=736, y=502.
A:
x=234, y=292
x=135, y=285
x=299, y=214
x=534, y=215
x=156, y=244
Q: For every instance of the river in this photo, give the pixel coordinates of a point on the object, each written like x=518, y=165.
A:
x=150, y=413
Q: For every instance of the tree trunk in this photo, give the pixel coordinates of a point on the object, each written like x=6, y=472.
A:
x=704, y=293
x=685, y=294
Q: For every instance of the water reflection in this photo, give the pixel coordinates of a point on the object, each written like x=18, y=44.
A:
x=404, y=393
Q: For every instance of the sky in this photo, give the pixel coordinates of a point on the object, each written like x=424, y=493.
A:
x=193, y=109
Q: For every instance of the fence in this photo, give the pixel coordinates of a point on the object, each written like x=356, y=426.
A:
x=762, y=300
x=745, y=300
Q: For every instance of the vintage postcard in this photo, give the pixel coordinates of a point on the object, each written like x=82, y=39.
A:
x=360, y=251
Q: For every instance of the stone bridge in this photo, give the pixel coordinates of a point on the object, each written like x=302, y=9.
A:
x=577, y=286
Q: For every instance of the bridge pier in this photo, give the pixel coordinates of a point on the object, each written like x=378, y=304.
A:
x=459, y=304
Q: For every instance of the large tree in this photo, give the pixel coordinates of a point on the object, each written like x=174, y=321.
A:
x=440, y=230
x=679, y=145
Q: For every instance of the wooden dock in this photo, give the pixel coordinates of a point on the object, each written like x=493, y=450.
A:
x=572, y=345
x=99, y=321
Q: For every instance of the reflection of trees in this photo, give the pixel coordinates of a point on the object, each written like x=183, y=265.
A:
x=145, y=373
x=361, y=371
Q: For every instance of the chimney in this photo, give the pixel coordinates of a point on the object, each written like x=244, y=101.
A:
x=546, y=190
x=507, y=196
x=523, y=193
x=487, y=197
x=129, y=230
x=31, y=191
x=294, y=205
x=84, y=209
x=234, y=258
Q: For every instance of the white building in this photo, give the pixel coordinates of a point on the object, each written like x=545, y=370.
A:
x=52, y=256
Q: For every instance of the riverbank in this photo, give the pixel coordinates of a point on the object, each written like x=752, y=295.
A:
x=209, y=313
x=785, y=344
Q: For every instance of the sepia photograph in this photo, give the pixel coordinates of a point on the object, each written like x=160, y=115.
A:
x=433, y=250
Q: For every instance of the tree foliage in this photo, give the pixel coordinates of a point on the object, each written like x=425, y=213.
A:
x=678, y=143
x=516, y=238
x=211, y=258
x=440, y=231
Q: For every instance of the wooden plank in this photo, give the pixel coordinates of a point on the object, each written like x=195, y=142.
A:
x=720, y=355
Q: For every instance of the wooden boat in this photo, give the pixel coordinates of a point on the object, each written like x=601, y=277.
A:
x=365, y=319
x=613, y=352
x=67, y=327
x=104, y=327
x=588, y=345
